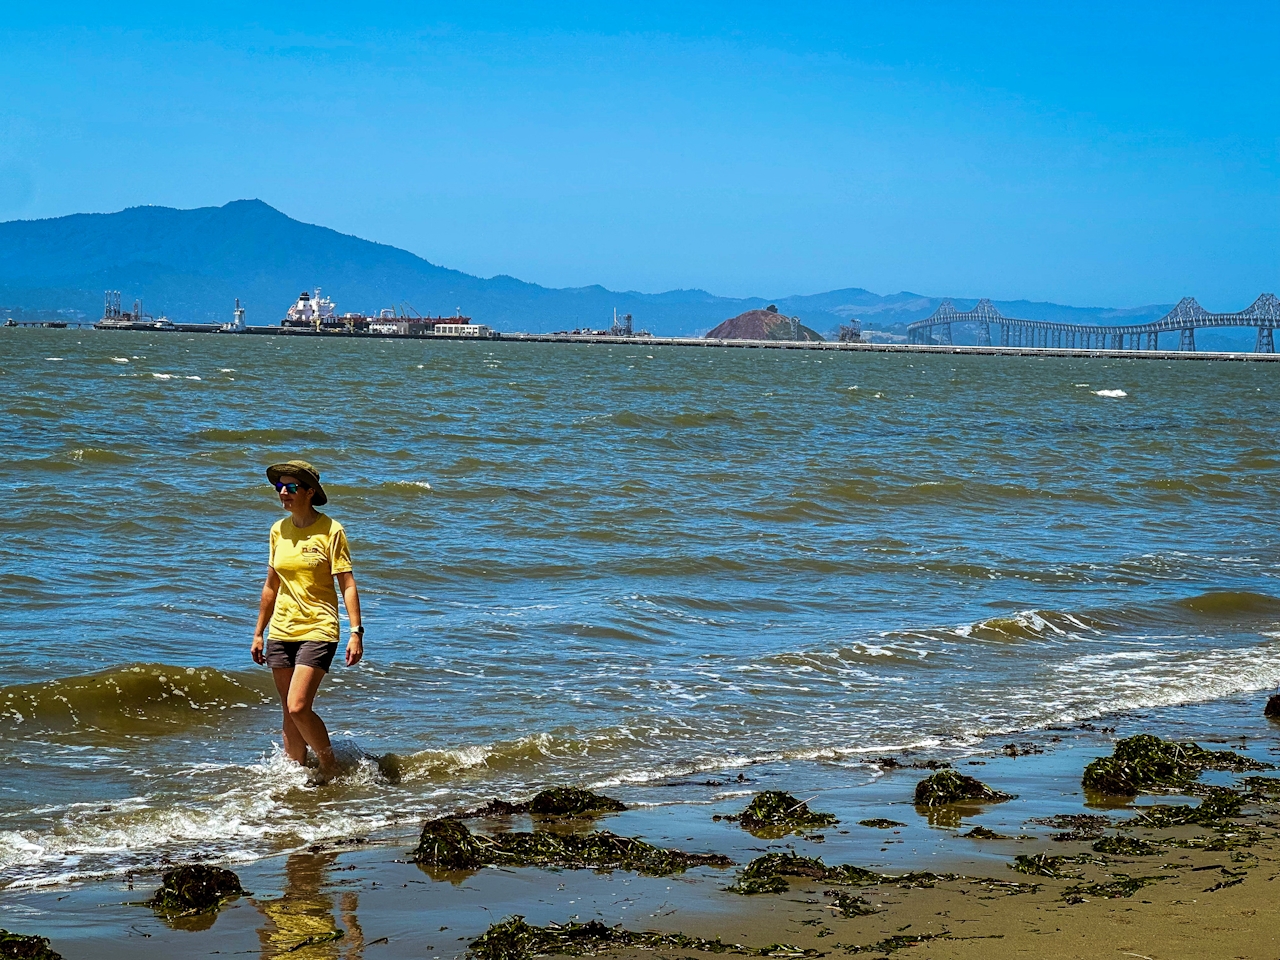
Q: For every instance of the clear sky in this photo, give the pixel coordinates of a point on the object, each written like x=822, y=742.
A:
x=1109, y=153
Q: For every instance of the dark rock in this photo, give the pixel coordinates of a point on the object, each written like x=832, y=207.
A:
x=1020, y=749
x=17, y=946
x=947, y=787
x=1272, y=709
x=195, y=888
x=495, y=808
x=573, y=802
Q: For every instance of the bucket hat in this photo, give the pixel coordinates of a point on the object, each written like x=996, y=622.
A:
x=305, y=472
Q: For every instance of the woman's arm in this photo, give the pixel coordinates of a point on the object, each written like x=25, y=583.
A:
x=351, y=599
x=266, y=607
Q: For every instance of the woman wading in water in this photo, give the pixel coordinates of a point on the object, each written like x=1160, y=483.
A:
x=300, y=606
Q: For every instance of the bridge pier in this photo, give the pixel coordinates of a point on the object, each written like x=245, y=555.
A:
x=1266, y=342
x=984, y=334
x=1187, y=339
x=1153, y=341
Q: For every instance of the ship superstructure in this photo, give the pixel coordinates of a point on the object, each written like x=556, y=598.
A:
x=309, y=312
x=113, y=318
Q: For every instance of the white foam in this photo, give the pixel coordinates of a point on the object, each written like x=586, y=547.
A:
x=120, y=359
x=1109, y=393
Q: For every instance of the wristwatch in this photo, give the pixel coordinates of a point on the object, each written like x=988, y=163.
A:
x=358, y=631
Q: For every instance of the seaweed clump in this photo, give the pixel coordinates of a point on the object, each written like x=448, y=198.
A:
x=194, y=889
x=768, y=874
x=573, y=802
x=850, y=905
x=17, y=946
x=566, y=802
x=1216, y=809
x=984, y=833
x=514, y=939
x=1119, y=886
x=1125, y=847
x=447, y=843
x=1045, y=865
x=947, y=786
x=899, y=941
x=880, y=823
x=774, y=811
x=1146, y=762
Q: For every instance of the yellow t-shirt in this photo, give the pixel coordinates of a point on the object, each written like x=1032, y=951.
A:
x=306, y=561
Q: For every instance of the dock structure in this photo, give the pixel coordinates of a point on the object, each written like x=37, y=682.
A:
x=837, y=346
x=1184, y=319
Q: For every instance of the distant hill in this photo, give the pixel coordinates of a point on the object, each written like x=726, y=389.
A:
x=767, y=324
x=191, y=264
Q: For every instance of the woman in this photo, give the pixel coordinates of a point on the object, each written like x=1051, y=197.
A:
x=299, y=603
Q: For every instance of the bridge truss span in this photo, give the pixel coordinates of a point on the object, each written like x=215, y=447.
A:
x=1184, y=319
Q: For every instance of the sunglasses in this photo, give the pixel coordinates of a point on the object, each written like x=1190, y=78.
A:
x=289, y=488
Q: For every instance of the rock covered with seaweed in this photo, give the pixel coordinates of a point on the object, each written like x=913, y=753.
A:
x=947, y=787
x=555, y=802
x=19, y=946
x=775, y=813
x=194, y=889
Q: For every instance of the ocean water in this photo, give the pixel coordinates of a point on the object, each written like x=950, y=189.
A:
x=598, y=565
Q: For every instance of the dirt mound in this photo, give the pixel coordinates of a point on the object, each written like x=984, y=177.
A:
x=763, y=325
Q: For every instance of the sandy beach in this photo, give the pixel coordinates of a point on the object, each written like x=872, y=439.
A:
x=1202, y=891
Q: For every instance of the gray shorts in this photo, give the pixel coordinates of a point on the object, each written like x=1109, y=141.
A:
x=307, y=653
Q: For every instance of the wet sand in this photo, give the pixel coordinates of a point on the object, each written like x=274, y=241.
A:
x=1206, y=902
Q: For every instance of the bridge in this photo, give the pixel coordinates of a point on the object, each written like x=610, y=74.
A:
x=1184, y=319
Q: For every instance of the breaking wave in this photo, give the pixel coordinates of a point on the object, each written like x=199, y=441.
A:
x=149, y=698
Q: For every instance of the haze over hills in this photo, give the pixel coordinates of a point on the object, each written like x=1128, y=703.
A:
x=191, y=264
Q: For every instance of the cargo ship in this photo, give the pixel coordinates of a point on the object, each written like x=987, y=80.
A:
x=318, y=313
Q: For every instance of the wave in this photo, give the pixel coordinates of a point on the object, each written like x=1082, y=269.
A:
x=135, y=699
x=98, y=455
x=1031, y=625
x=261, y=436
x=1232, y=605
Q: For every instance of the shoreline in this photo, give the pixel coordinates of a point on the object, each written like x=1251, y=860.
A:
x=822, y=346
x=370, y=890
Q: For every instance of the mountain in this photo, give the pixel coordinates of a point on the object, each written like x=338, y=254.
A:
x=191, y=264
x=766, y=324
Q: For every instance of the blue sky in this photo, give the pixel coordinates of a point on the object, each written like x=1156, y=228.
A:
x=1082, y=153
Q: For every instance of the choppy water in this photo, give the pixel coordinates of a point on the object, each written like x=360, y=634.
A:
x=596, y=565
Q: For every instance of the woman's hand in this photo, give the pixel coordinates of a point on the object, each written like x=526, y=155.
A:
x=259, y=655
x=355, y=650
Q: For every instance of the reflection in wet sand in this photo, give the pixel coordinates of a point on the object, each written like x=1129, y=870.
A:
x=301, y=924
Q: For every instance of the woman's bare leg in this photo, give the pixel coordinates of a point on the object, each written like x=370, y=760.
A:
x=303, y=686
x=295, y=747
